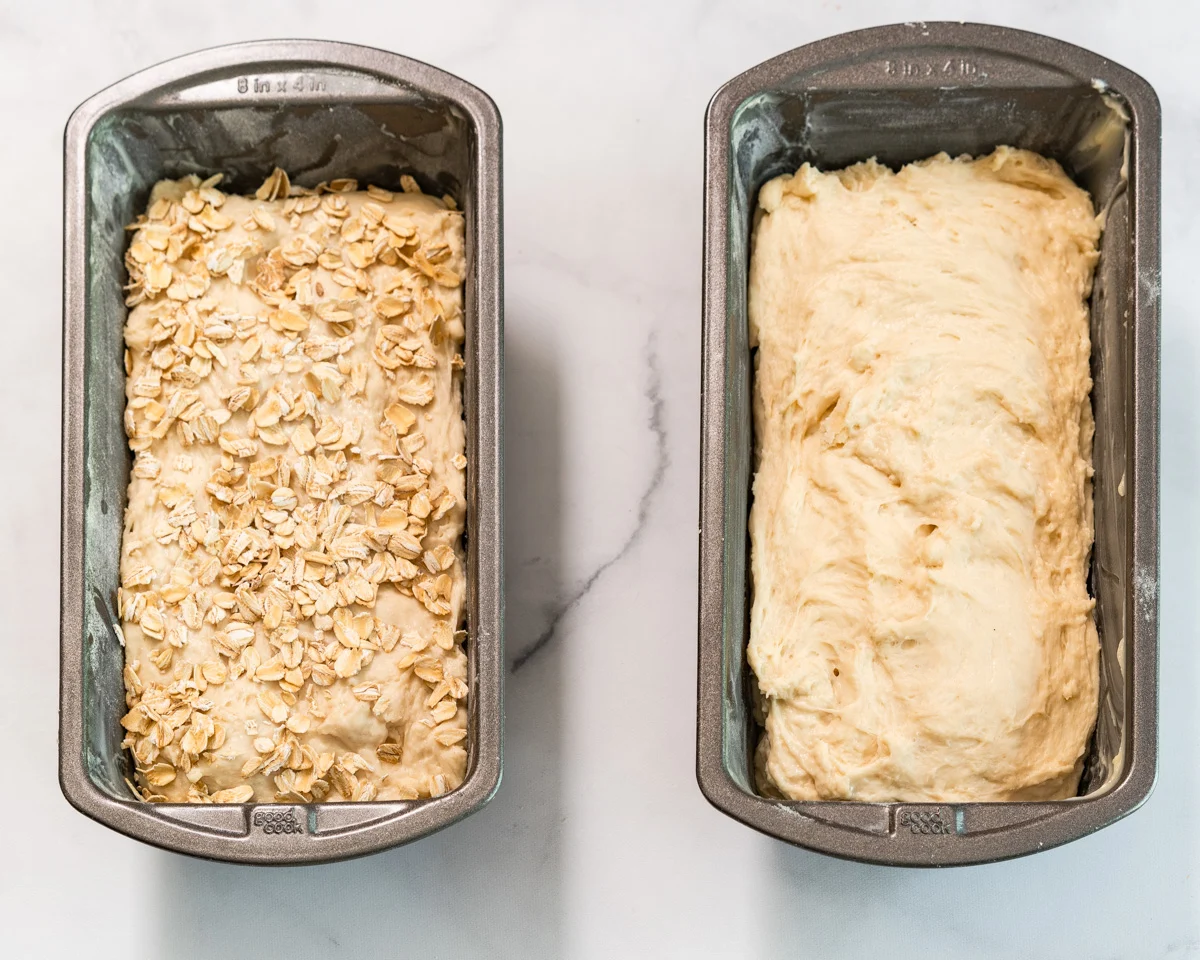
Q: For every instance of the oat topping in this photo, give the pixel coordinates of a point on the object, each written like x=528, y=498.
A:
x=292, y=577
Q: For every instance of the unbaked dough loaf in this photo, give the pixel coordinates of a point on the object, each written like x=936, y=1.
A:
x=292, y=575
x=922, y=514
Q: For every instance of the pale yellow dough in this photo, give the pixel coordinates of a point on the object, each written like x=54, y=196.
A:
x=292, y=567
x=922, y=514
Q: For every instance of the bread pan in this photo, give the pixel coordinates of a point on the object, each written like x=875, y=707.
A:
x=901, y=93
x=319, y=110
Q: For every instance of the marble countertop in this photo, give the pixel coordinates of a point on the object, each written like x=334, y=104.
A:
x=598, y=844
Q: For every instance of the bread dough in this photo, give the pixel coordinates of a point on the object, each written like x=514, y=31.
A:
x=922, y=514
x=292, y=569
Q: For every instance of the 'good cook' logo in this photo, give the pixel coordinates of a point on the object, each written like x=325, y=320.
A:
x=277, y=821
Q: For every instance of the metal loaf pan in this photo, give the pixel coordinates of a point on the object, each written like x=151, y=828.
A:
x=319, y=110
x=901, y=93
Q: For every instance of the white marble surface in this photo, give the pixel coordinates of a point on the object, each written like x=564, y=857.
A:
x=598, y=844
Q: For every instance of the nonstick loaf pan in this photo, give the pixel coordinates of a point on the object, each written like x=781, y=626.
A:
x=320, y=111
x=901, y=93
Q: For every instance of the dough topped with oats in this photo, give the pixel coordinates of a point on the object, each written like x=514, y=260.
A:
x=292, y=578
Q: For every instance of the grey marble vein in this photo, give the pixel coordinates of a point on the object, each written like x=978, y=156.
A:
x=662, y=460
